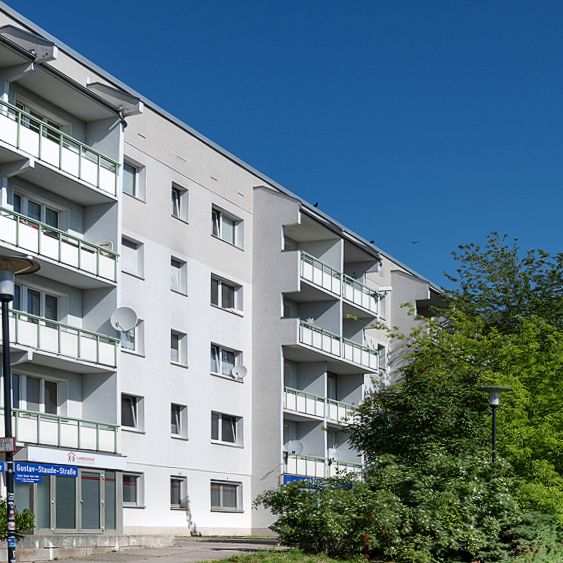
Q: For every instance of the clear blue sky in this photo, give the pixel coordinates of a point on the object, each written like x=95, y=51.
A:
x=429, y=121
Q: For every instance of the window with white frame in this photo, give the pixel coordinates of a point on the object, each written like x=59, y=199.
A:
x=179, y=420
x=37, y=394
x=226, y=496
x=130, y=180
x=133, y=340
x=132, y=411
x=37, y=210
x=178, y=347
x=226, y=295
x=178, y=275
x=179, y=202
x=227, y=227
x=36, y=302
x=132, y=256
x=226, y=428
x=223, y=360
x=132, y=489
x=178, y=492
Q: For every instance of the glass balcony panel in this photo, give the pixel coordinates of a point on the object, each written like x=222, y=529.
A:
x=50, y=145
x=61, y=431
x=51, y=336
x=36, y=237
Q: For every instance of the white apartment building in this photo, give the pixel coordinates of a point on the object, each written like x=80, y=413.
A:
x=258, y=317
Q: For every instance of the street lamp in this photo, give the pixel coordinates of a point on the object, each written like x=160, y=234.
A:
x=9, y=267
x=494, y=392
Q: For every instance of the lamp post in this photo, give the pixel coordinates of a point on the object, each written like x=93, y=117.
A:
x=9, y=267
x=494, y=392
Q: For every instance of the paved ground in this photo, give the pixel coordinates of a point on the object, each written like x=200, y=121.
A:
x=184, y=550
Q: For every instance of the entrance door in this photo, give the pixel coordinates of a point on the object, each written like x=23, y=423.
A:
x=91, y=484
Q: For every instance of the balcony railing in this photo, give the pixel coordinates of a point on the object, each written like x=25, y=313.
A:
x=40, y=428
x=360, y=294
x=319, y=338
x=359, y=354
x=312, y=466
x=33, y=236
x=314, y=405
x=23, y=131
x=333, y=344
x=64, y=340
x=317, y=272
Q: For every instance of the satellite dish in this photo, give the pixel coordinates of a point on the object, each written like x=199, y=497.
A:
x=239, y=372
x=295, y=447
x=123, y=319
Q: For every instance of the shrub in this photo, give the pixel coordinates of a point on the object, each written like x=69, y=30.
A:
x=25, y=521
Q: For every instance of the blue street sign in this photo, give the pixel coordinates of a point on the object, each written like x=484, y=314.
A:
x=44, y=470
x=2, y=466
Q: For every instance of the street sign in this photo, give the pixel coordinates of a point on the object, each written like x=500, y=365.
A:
x=7, y=444
x=28, y=478
x=44, y=469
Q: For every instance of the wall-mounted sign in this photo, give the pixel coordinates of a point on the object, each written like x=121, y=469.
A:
x=7, y=444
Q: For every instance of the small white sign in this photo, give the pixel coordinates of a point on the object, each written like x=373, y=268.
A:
x=7, y=444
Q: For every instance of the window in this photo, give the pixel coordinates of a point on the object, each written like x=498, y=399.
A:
x=36, y=210
x=226, y=227
x=226, y=496
x=226, y=428
x=36, y=394
x=178, y=275
x=179, y=420
x=226, y=295
x=179, y=201
x=133, y=340
x=178, y=492
x=129, y=179
x=36, y=119
x=132, y=411
x=224, y=360
x=36, y=302
x=132, y=489
x=132, y=257
x=178, y=347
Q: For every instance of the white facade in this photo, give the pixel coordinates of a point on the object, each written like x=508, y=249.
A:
x=257, y=315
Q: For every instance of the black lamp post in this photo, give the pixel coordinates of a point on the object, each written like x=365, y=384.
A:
x=494, y=392
x=9, y=267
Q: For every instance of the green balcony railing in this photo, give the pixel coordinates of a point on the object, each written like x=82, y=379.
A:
x=326, y=341
x=47, y=143
x=322, y=275
x=315, y=405
x=32, y=427
x=319, y=273
x=61, y=339
x=314, y=466
x=39, y=238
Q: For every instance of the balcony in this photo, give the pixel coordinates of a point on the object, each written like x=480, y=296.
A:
x=57, y=149
x=64, y=432
x=29, y=235
x=359, y=294
x=301, y=402
x=58, y=339
x=338, y=347
x=324, y=276
x=319, y=273
x=312, y=466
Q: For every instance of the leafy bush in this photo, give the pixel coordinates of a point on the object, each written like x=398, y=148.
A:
x=25, y=521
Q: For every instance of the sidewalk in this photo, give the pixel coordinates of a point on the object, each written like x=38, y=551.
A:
x=184, y=550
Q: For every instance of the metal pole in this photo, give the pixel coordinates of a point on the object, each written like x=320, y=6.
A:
x=6, y=373
x=494, y=433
